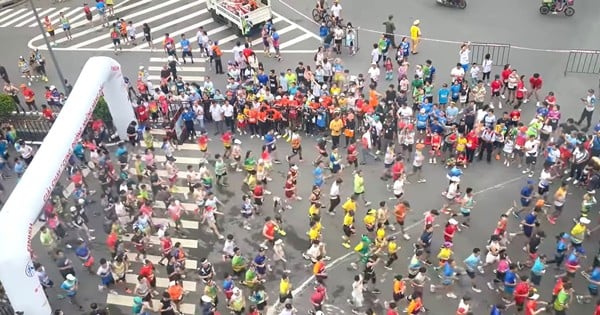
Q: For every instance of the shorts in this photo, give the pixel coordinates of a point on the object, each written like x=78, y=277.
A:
x=400, y=222
x=171, y=52
x=246, y=215
x=398, y=296
x=398, y=196
x=525, y=202
x=186, y=54
x=511, y=88
x=416, y=168
x=593, y=291
x=386, y=166
x=490, y=258
x=496, y=94
x=258, y=201
x=51, y=33
x=530, y=160
x=116, y=41
x=471, y=274
x=465, y=213
x=348, y=230
x=88, y=17
x=66, y=28
x=148, y=38
x=543, y=189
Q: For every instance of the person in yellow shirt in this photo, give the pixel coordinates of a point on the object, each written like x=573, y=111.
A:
x=359, y=187
x=370, y=219
x=314, y=233
x=415, y=36
x=348, y=228
x=285, y=289
x=392, y=248
x=380, y=241
x=350, y=204
x=336, y=126
x=313, y=212
x=444, y=254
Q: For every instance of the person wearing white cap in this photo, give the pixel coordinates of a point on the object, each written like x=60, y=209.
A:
x=70, y=286
x=578, y=231
x=531, y=306
x=415, y=36
x=237, y=303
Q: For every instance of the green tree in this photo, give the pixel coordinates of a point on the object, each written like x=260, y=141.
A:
x=7, y=105
x=101, y=111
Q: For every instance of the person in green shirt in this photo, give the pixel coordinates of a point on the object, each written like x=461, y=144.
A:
x=561, y=303
x=238, y=262
x=251, y=278
x=48, y=240
x=220, y=171
x=148, y=138
x=359, y=187
x=259, y=297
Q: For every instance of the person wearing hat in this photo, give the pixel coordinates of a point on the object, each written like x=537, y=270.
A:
x=70, y=286
x=415, y=36
x=578, y=231
x=237, y=303
x=531, y=306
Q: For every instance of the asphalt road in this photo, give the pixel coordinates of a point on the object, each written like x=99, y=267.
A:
x=516, y=23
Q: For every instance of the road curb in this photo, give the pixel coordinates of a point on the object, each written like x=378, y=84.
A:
x=12, y=5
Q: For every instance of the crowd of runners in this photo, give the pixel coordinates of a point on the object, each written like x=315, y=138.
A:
x=408, y=116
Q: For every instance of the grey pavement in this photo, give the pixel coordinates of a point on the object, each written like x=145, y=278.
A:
x=497, y=186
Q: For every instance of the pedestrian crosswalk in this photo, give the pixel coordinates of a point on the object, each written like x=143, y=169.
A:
x=190, y=239
x=175, y=17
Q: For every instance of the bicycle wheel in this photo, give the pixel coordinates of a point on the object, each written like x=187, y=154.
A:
x=316, y=15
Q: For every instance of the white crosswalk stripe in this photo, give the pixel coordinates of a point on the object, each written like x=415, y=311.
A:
x=175, y=17
x=192, y=229
x=188, y=72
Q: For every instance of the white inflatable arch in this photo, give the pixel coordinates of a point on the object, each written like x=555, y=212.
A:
x=101, y=76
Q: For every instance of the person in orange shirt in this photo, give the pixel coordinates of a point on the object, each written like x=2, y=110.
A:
x=253, y=122
x=400, y=211
x=175, y=293
x=398, y=287
x=263, y=123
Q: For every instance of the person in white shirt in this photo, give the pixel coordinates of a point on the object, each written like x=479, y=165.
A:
x=228, y=115
x=531, y=148
x=487, y=68
x=357, y=294
x=334, y=195
x=236, y=52
x=398, y=188
x=199, y=110
x=374, y=73
x=336, y=10
x=474, y=71
x=457, y=73
x=463, y=55
x=216, y=112
x=375, y=54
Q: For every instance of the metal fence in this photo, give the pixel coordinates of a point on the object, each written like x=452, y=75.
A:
x=499, y=53
x=30, y=127
x=583, y=61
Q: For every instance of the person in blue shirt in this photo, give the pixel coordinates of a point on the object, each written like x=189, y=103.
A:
x=79, y=152
x=448, y=277
x=431, y=74
x=525, y=197
x=188, y=118
x=497, y=309
x=260, y=261
x=262, y=78
x=455, y=91
x=323, y=31
x=510, y=281
x=404, y=48
x=443, y=95
x=19, y=167
x=318, y=178
x=538, y=269
x=186, y=49
x=270, y=144
x=530, y=222
x=70, y=287
x=422, y=118
x=562, y=245
x=593, y=279
x=472, y=265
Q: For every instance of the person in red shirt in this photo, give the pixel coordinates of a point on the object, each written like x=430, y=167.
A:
x=550, y=99
x=450, y=229
x=521, y=91
x=521, y=292
x=597, y=309
x=48, y=113
x=29, y=97
x=495, y=86
x=111, y=243
x=505, y=74
x=142, y=114
x=472, y=144
x=515, y=117
x=166, y=245
x=391, y=309
x=318, y=297
x=268, y=232
x=352, y=155
x=535, y=83
x=147, y=271
x=531, y=306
